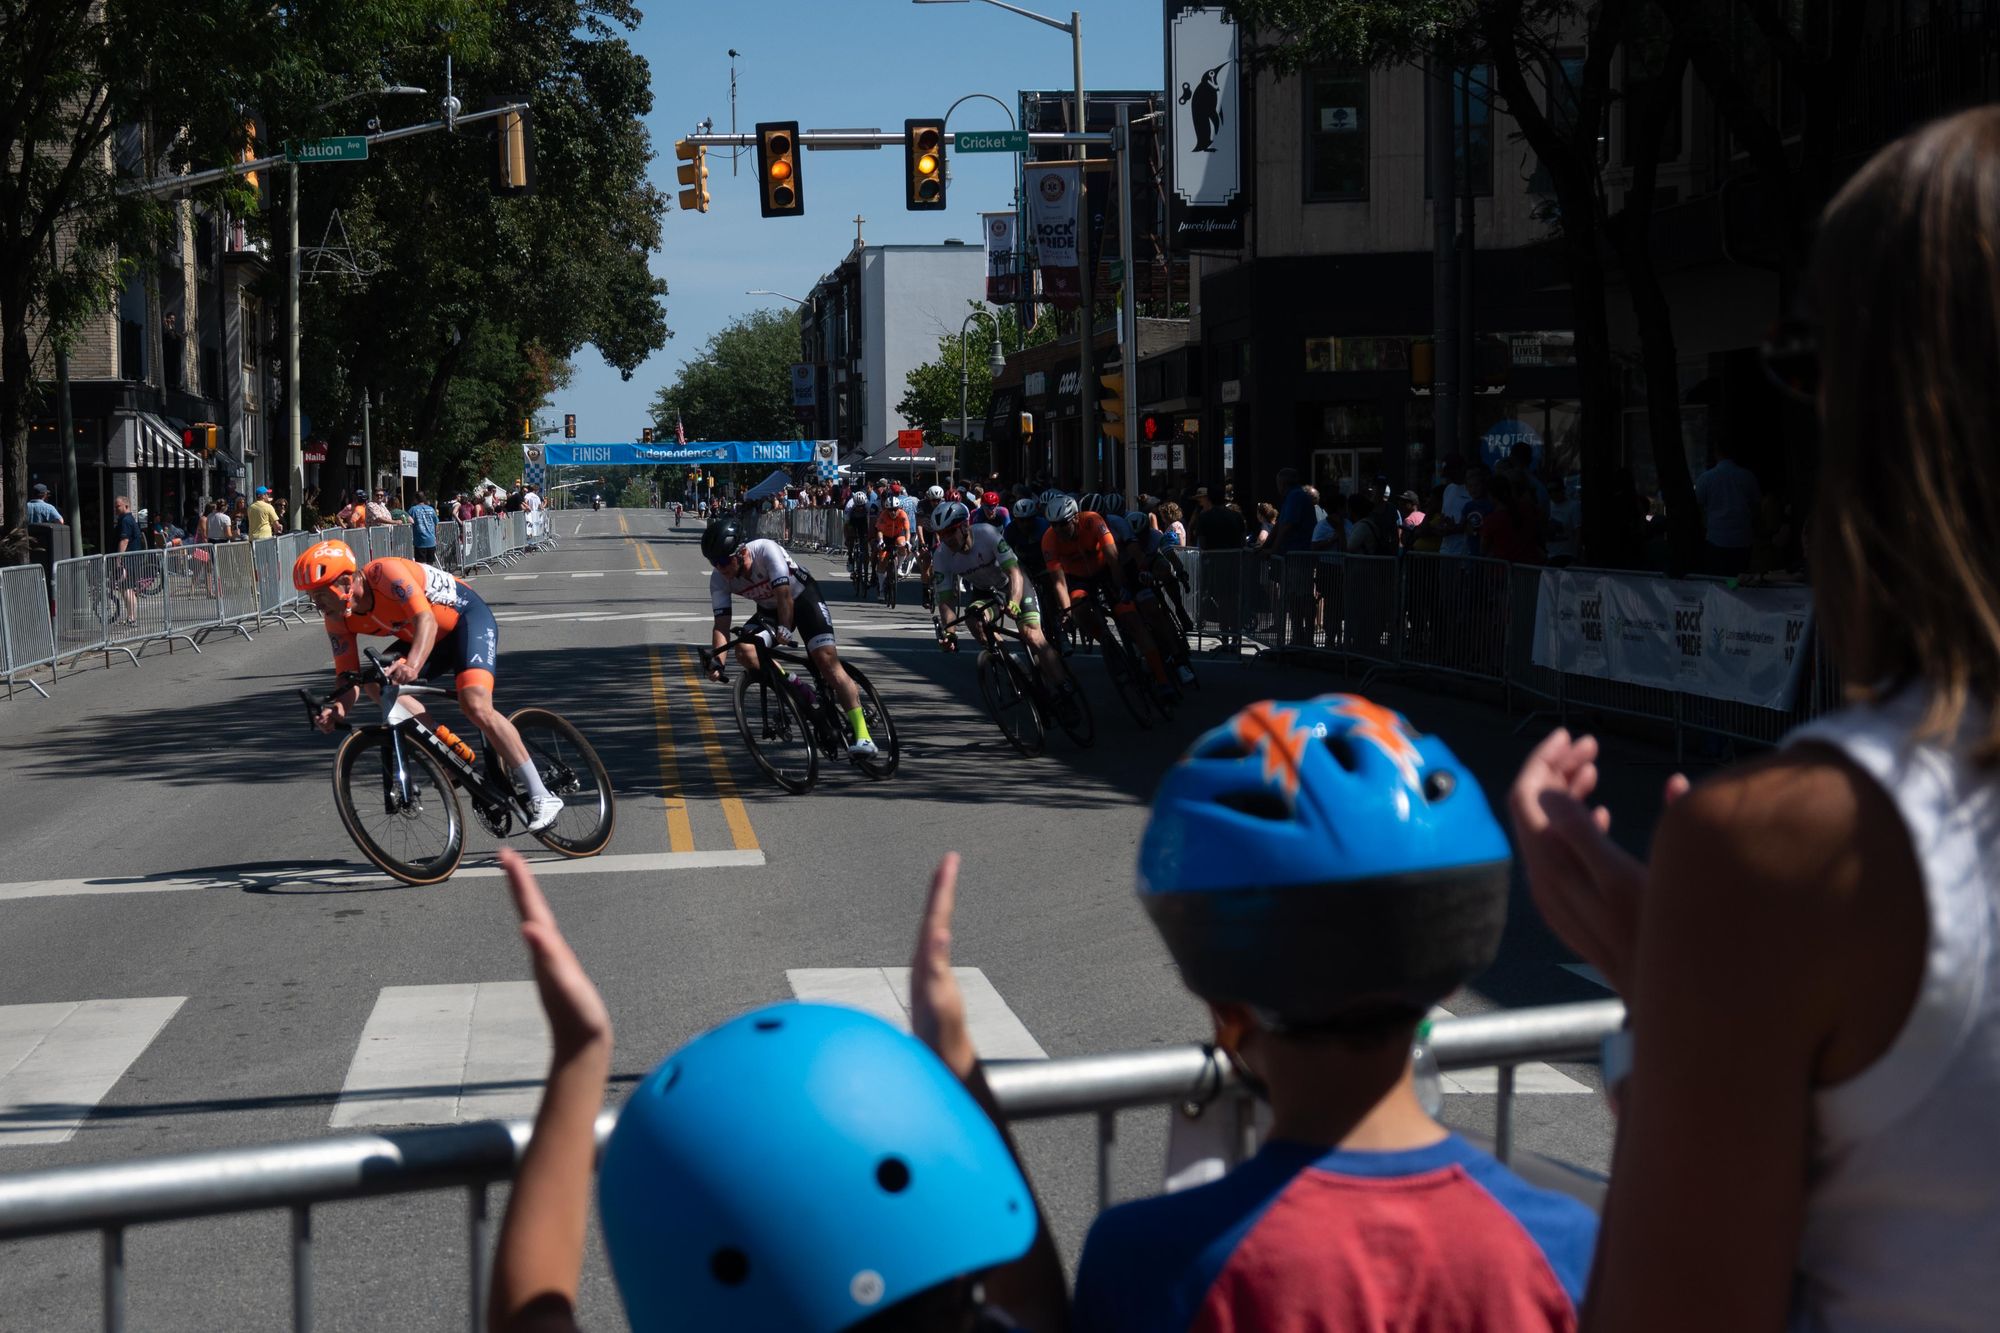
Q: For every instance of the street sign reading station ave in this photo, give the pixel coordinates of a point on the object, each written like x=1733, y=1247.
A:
x=991, y=141
x=340, y=148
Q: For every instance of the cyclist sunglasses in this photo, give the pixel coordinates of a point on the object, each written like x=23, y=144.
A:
x=1790, y=357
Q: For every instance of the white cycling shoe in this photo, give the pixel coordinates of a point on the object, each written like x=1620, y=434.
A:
x=546, y=810
x=862, y=750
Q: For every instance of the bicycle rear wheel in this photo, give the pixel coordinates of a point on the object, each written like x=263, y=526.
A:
x=1010, y=703
x=411, y=830
x=1127, y=684
x=1069, y=711
x=569, y=768
x=881, y=729
x=777, y=733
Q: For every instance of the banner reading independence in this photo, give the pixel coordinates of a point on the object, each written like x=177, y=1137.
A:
x=1745, y=644
x=694, y=451
x=1054, y=207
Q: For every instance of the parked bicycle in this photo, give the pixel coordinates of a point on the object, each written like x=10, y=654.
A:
x=396, y=782
x=1020, y=698
x=789, y=726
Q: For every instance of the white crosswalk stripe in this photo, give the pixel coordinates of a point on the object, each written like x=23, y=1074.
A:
x=435, y=1055
x=1531, y=1078
x=57, y=1061
x=997, y=1034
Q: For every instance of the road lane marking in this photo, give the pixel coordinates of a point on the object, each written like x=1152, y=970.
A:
x=435, y=1055
x=57, y=1061
x=718, y=767
x=576, y=531
x=281, y=876
x=652, y=573
x=516, y=578
x=997, y=1032
x=1533, y=1077
x=587, y=574
x=680, y=834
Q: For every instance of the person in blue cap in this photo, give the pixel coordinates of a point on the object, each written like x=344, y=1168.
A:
x=1323, y=876
x=803, y=1167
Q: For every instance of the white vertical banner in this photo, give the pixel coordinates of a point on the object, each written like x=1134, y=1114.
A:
x=1003, y=277
x=1055, y=198
x=409, y=462
x=1205, y=127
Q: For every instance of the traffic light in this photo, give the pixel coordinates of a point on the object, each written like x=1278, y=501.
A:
x=693, y=173
x=1111, y=409
x=202, y=435
x=923, y=165
x=646, y=435
x=569, y=425
x=527, y=428
x=1151, y=427
x=514, y=159
x=250, y=154
x=780, y=191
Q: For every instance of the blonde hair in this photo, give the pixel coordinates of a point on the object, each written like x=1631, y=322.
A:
x=1903, y=538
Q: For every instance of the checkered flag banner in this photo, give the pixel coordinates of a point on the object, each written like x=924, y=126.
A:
x=826, y=459
x=533, y=471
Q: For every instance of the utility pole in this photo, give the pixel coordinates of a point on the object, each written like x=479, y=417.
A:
x=1086, y=325
x=295, y=467
x=1128, y=361
x=1444, y=270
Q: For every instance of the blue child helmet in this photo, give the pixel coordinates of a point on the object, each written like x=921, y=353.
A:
x=1319, y=859
x=802, y=1167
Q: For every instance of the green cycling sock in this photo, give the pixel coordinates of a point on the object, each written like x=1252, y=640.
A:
x=858, y=723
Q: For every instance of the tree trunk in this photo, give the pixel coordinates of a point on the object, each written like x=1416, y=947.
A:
x=16, y=391
x=1632, y=231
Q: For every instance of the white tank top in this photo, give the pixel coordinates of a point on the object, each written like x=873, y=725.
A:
x=1902, y=1223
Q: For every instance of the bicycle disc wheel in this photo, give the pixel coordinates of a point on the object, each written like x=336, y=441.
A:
x=569, y=768
x=416, y=838
x=881, y=730
x=777, y=733
x=1009, y=703
x=1127, y=685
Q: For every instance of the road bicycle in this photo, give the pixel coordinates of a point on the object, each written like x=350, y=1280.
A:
x=396, y=782
x=896, y=565
x=790, y=725
x=1131, y=680
x=1019, y=696
x=861, y=569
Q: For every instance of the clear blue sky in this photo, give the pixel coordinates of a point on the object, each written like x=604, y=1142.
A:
x=832, y=64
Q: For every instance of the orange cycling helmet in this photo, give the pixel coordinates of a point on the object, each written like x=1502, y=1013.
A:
x=321, y=564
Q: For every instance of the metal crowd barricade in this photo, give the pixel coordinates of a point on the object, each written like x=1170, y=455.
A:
x=1371, y=608
x=110, y=1198
x=27, y=626
x=1454, y=614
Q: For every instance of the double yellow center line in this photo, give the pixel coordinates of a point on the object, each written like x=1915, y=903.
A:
x=680, y=832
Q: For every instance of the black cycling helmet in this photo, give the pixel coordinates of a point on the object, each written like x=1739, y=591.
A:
x=721, y=539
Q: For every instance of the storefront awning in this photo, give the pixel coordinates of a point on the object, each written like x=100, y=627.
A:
x=144, y=441
x=228, y=464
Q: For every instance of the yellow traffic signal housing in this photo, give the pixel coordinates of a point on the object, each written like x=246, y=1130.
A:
x=1111, y=410
x=923, y=165
x=693, y=174
x=645, y=435
x=514, y=163
x=250, y=154
x=569, y=425
x=781, y=193
x=527, y=428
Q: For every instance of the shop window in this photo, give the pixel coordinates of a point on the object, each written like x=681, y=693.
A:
x=1336, y=135
x=1363, y=353
x=1471, y=131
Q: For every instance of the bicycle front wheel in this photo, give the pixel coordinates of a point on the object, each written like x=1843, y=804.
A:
x=881, y=730
x=1071, y=711
x=569, y=768
x=1127, y=684
x=411, y=828
x=775, y=729
x=1011, y=705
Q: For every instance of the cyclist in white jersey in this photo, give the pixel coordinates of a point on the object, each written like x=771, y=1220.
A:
x=759, y=570
x=976, y=556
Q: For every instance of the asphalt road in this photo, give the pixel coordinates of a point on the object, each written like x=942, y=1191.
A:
x=183, y=920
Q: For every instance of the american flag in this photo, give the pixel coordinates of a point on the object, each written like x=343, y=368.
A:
x=680, y=431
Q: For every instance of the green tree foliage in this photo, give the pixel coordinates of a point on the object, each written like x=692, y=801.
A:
x=930, y=399
x=739, y=387
x=482, y=301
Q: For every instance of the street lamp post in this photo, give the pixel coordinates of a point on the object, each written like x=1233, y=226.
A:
x=996, y=363
x=1086, y=414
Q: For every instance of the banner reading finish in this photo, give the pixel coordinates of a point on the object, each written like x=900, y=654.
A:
x=1055, y=192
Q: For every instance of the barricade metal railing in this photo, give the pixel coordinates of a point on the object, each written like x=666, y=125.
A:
x=27, y=626
x=124, y=602
x=111, y=1198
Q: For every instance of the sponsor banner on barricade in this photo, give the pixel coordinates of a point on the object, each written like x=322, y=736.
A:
x=1744, y=644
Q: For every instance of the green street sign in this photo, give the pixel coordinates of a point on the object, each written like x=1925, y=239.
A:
x=340, y=148
x=1117, y=267
x=991, y=141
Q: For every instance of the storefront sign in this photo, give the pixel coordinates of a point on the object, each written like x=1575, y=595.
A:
x=1159, y=458
x=1745, y=644
x=1180, y=456
x=313, y=452
x=1228, y=453
x=1232, y=391
x=1207, y=194
x=1036, y=384
x=1055, y=195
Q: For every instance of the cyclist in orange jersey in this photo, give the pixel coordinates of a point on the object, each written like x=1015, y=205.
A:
x=1082, y=557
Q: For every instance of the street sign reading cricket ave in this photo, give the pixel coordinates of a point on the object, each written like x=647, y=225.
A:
x=340, y=148
x=991, y=141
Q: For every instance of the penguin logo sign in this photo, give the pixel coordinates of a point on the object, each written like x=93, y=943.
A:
x=534, y=453
x=1207, y=141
